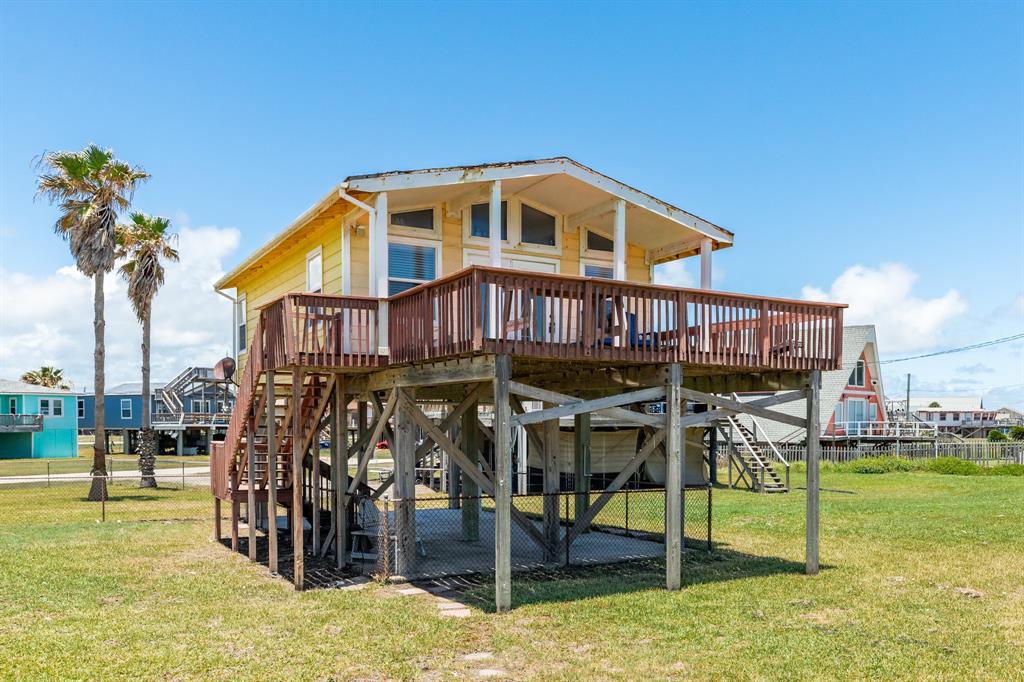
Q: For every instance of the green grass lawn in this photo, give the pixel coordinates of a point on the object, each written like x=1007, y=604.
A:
x=922, y=578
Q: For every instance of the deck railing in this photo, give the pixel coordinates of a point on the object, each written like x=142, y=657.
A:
x=321, y=330
x=21, y=422
x=882, y=429
x=483, y=309
x=557, y=316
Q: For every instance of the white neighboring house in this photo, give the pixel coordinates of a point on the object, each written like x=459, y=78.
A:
x=962, y=415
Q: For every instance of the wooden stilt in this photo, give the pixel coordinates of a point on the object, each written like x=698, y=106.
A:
x=581, y=462
x=502, y=484
x=314, y=477
x=404, y=453
x=235, y=512
x=272, y=471
x=339, y=471
x=813, y=472
x=470, y=490
x=362, y=424
x=551, y=487
x=673, y=480
x=298, y=548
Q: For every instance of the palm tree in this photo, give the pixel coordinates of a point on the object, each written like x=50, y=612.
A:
x=51, y=377
x=145, y=242
x=91, y=187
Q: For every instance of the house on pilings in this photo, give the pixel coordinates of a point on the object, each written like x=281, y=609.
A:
x=521, y=293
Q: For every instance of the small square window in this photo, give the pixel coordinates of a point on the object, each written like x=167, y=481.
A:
x=480, y=220
x=422, y=219
x=57, y=408
x=537, y=227
x=44, y=406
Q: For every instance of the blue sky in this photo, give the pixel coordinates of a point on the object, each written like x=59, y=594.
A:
x=826, y=136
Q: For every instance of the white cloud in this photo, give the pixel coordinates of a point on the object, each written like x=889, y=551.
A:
x=883, y=297
x=976, y=368
x=673, y=273
x=48, y=320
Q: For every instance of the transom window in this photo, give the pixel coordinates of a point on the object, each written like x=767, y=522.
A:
x=537, y=227
x=598, y=242
x=410, y=263
x=480, y=220
x=420, y=219
x=126, y=408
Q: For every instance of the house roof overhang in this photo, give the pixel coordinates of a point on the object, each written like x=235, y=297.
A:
x=585, y=196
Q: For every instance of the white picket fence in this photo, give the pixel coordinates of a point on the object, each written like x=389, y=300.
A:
x=980, y=452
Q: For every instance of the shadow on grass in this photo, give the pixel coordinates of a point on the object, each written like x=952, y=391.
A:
x=587, y=582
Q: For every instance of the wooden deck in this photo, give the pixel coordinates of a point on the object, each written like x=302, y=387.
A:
x=552, y=317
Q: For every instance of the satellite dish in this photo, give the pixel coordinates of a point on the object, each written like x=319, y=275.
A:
x=224, y=369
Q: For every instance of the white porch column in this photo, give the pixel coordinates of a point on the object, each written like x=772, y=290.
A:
x=379, y=268
x=619, y=247
x=705, y=264
x=495, y=224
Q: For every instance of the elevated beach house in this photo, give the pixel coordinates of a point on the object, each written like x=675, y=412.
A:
x=37, y=421
x=471, y=313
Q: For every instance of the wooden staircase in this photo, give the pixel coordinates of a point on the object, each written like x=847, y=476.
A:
x=755, y=464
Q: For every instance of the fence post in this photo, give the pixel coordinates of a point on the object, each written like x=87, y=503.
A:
x=567, y=530
x=709, y=510
x=627, y=511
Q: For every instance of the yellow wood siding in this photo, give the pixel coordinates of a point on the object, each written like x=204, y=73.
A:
x=284, y=270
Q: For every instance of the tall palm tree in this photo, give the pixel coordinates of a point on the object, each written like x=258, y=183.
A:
x=145, y=242
x=91, y=187
x=51, y=377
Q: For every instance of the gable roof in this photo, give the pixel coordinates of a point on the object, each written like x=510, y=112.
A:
x=857, y=340
x=947, y=402
x=666, y=231
x=133, y=388
x=11, y=386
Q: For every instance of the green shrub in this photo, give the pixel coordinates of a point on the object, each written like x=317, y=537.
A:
x=1005, y=470
x=997, y=436
x=877, y=465
x=1017, y=433
x=954, y=466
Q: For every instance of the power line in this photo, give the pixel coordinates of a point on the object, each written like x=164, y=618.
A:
x=948, y=351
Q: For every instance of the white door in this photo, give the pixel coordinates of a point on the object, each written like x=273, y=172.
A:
x=546, y=311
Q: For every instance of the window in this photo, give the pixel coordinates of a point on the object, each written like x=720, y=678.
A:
x=480, y=220
x=126, y=408
x=57, y=407
x=872, y=412
x=956, y=416
x=315, y=271
x=416, y=222
x=595, y=270
x=201, y=406
x=537, y=227
x=81, y=408
x=240, y=321
x=598, y=242
x=857, y=376
x=942, y=416
x=839, y=413
x=12, y=406
x=410, y=263
x=44, y=406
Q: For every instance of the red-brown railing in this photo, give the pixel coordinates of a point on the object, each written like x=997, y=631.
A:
x=320, y=330
x=483, y=309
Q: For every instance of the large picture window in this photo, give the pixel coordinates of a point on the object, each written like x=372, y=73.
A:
x=410, y=263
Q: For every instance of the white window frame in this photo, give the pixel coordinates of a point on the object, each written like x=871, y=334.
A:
x=318, y=252
x=81, y=408
x=57, y=407
x=129, y=402
x=516, y=218
x=12, y=405
x=515, y=227
x=506, y=257
x=432, y=243
x=467, y=225
x=862, y=366
x=607, y=256
x=204, y=403
x=44, y=407
x=241, y=311
x=415, y=232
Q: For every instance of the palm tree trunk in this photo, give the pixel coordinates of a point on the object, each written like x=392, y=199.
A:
x=147, y=436
x=98, y=491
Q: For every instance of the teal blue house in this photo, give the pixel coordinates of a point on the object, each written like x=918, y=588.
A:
x=36, y=421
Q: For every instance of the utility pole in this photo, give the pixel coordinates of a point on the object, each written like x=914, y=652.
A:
x=907, y=414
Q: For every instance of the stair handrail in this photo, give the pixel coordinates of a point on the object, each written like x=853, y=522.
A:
x=757, y=425
x=243, y=403
x=750, y=448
